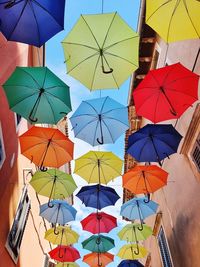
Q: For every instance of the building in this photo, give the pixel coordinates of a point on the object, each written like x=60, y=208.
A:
x=176, y=239
x=22, y=231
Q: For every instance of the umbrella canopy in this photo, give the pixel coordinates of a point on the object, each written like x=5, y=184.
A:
x=144, y=179
x=104, y=46
x=37, y=94
x=53, y=183
x=32, y=22
x=60, y=212
x=67, y=264
x=100, y=121
x=130, y=263
x=98, y=196
x=98, y=167
x=166, y=93
x=153, y=142
x=64, y=254
x=46, y=147
x=99, y=222
x=66, y=236
x=137, y=208
x=174, y=20
x=98, y=243
x=127, y=252
x=98, y=259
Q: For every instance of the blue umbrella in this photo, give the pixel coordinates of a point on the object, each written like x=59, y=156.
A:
x=153, y=142
x=138, y=208
x=100, y=121
x=59, y=211
x=32, y=22
x=130, y=263
x=98, y=196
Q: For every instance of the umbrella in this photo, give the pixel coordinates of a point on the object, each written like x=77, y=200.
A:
x=37, y=94
x=98, y=243
x=98, y=196
x=144, y=179
x=166, y=93
x=137, y=208
x=99, y=222
x=60, y=212
x=67, y=264
x=131, y=233
x=153, y=142
x=127, y=252
x=32, y=22
x=53, y=183
x=130, y=263
x=46, y=147
x=104, y=46
x=64, y=254
x=66, y=236
x=98, y=259
x=100, y=121
x=98, y=167
x=174, y=20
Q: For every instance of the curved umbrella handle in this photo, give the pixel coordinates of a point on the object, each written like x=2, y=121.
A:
x=137, y=251
x=100, y=142
x=173, y=112
x=148, y=198
x=140, y=228
x=106, y=71
x=32, y=119
x=56, y=232
x=50, y=205
x=43, y=169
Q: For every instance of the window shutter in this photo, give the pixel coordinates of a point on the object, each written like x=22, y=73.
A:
x=164, y=249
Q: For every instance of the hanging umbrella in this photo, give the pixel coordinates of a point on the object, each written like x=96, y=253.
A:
x=46, y=147
x=67, y=264
x=174, y=20
x=31, y=22
x=166, y=93
x=130, y=263
x=64, y=254
x=100, y=121
x=131, y=233
x=66, y=236
x=153, y=142
x=53, y=183
x=144, y=179
x=99, y=222
x=98, y=196
x=104, y=46
x=98, y=167
x=98, y=259
x=60, y=212
x=127, y=252
x=137, y=208
x=37, y=94
x=98, y=243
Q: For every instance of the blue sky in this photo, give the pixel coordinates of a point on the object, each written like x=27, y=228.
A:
x=128, y=9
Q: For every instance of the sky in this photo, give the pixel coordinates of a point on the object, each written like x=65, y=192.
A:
x=128, y=9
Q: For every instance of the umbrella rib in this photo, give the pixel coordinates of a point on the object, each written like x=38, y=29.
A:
x=167, y=2
x=110, y=110
x=24, y=99
x=170, y=22
x=82, y=115
x=91, y=173
x=103, y=174
x=110, y=54
x=45, y=75
x=75, y=171
x=165, y=143
x=95, y=132
x=181, y=78
x=108, y=131
x=102, y=107
x=190, y=18
x=156, y=105
x=95, y=70
x=38, y=30
x=121, y=41
x=85, y=126
x=51, y=108
x=180, y=92
x=46, y=92
x=84, y=45
x=22, y=69
x=167, y=74
x=109, y=29
x=111, y=118
x=86, y=102
x=112, y=168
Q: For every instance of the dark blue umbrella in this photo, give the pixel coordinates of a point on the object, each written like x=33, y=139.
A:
x=130, y=263
x=153, y=142
x=98, y=196
x=32, y=22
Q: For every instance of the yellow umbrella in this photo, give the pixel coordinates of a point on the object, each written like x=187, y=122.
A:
x=174, y=20
x=67, y=264
x=64, y=236
x=98, y=167
x=128, y=252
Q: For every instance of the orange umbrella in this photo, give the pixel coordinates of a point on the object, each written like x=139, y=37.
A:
x=46, y=147
x=144, y=179
x=98, y=259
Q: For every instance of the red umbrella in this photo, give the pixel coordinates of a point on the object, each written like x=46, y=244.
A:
x=99, y=222
x=64, y=254
x=166, y=93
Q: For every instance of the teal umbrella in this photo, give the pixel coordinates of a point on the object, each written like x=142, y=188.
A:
x=37, y=94
x=98, y=243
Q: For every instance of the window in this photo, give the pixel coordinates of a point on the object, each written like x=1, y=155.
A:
x=2, y=149
x=15, y=235
x=47, y=263
x=17, y=119
x=195, y=153
x=164, y=249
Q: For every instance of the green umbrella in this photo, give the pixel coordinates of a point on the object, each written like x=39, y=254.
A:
x=53, y=183
x=98, y=243
x=101, y=51
x=131, y=233
x=67, y=264
x=37, y=94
